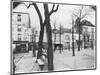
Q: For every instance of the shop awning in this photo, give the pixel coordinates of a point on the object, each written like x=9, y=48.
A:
x=19, y=42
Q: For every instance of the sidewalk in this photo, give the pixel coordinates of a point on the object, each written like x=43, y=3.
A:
x=27, y=64
x=17, y=57
x=85, y=59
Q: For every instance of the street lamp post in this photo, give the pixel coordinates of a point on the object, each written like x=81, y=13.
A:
x=92, y=39
x=32, y=37
x=55, y=31
x=60, y=38
x=73, y=49
x=33, y=41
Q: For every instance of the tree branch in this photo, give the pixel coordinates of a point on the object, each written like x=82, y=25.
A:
x=80, y=12
x=38, y=12
x=29, y=5
x=53, y=10
x=84, y=15
x=75, y=15
x=26, y=5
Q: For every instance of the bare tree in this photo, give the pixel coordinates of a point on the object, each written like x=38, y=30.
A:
x=73, y=49
x=80, y=15
x=41, y=29
x=73, y=24
x=49, y=33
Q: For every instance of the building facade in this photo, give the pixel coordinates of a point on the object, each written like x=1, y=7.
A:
x=21, y=33
x=65, y=38
x=20, y=30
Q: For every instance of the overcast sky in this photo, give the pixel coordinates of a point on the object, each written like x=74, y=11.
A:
x=63, y=16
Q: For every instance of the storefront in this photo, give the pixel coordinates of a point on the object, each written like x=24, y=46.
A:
x=20, y=46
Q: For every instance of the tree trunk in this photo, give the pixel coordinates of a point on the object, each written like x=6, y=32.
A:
x=40, y=41
x=79, y=41
x=73, y=49
x=41, y=30
x=49, y=38
x=79, y=27
x=50, y=50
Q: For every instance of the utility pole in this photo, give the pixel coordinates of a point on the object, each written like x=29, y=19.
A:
x=92, y=46
x=73, y=49
x=60, y=37
x=32, y=37
x=33, y=41
x=79, y=31
x=55, y=30
x=54, y=39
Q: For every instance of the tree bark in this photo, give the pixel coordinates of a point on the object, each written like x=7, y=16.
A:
x=49, y=33
x=79, y=31
x=41, y=31
x=49, y=38
x=40, y=42
x=79, y=41
x=73, y=49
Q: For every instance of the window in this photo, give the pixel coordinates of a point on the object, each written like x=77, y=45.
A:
x=19, y=24
x=19, y=37
x=18, y=17
x=19, y=29
x=67, y=37
x=25, y=38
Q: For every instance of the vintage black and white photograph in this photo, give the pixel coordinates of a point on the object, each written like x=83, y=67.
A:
x=52, y=37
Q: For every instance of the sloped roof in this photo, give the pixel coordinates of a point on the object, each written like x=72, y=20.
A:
x=87, y=23
x=15, y=4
